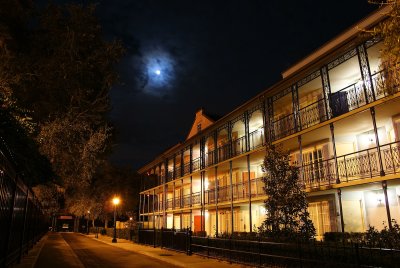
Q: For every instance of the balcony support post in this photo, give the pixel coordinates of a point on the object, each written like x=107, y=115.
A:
x=339, y=192
x=191, y=201
x=230, y=180
x=215, y=147
x=378, y=147
x=164, y=225
x=365, y=74
x=295, y=103
x=301, y=160
x=140, y=208
x=246, y=119
x=174, y=168
x=191, y=158
x=268, y=126
x=182, y=163
x=326, y=90
x=203, y=153
x=389, y=218
x=148, y=210
x=332, y=128
x=154, y=212
x=216, y=199
x=230, y=151
x=202, y=201
x=249, y=191
x=173, y=195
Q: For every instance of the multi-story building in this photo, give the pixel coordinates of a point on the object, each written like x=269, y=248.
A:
x=331, y=111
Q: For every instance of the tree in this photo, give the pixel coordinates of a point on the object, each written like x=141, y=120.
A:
x=389, y=32
x=286, y=203
x=55, y=75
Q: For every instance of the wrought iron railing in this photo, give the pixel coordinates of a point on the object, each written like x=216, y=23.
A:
x=283, y=127
x=210, y=158
x=224, y=152
x=170, y=175
x=313, y=114
x=178, y=202
x=169, y=204
x=178, y=171
x=256, y=138
x=186, y=168
x=186, y=200
x=196, y=198
x=353, y=166
x=196, y=164
x=239, y=146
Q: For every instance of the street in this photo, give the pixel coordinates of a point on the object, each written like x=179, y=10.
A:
x=75, y=250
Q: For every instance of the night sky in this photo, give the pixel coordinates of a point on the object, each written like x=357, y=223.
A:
x=183, y=55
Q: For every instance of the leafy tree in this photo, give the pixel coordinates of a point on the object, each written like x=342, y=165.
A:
x=389, y=32
x=286, y=203
x=55, y=75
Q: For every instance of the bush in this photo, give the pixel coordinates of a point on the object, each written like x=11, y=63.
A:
x=386, y=238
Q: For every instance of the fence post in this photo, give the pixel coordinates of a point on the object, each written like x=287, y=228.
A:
x=208, y=246
x=190, y=241
x=154, y=237
x=357, y=255
x=24, y=225
x=10, y=220
x=259, y=252
x=162, y=237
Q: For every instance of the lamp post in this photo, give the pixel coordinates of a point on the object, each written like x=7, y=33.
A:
x=116, y=202
x=87, y=222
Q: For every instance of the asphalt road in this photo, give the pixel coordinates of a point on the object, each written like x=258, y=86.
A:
x=65, y=250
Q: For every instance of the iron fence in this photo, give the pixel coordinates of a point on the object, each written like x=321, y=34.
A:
x=263, y=253
x=178, y=240
x=22, y=222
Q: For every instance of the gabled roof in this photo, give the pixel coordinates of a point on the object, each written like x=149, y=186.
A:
x=201, y=122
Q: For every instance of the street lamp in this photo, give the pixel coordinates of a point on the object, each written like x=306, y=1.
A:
x=87, y=222
x=116, y=202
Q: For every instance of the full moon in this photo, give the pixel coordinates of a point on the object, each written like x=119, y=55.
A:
x=158, y=72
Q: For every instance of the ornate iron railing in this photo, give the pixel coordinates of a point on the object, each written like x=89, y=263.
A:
x=209, y=196
x=169, y=204
x=256, y=138
x=224, y=152
x=196, y=198
x=178, y=171
x=313, y=114
x=186, y=200
x=170, y=175
x=186, y=168
x=347, y=99
x=353, y=166
x=239, y=146
x=178, y=202
x=210, y=158
x=283, y=127
x=196, y=164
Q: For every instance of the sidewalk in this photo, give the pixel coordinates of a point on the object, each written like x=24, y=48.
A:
x=52, y=245
x=172, y=257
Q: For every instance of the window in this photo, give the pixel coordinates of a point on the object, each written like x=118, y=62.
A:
x=198, y=128
x=396, y=127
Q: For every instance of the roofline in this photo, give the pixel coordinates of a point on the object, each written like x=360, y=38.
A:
x=345, y=36
x=371, y=19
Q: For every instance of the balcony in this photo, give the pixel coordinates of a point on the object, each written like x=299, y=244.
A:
x=240, y=193
x=351, y=167
x=340, y=102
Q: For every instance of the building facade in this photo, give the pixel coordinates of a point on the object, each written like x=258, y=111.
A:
x=332, y=111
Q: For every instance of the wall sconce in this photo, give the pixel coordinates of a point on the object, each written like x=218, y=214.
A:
x=379, y=199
